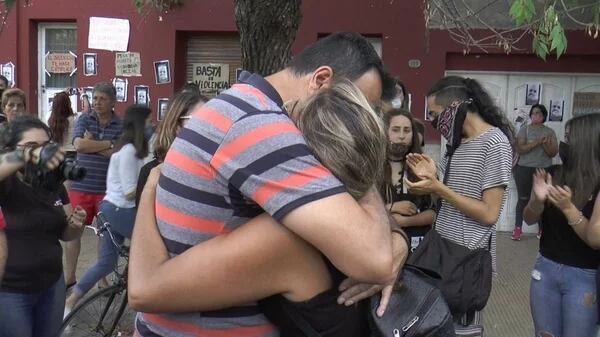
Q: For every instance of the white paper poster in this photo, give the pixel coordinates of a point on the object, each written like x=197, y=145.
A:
x=108, y=34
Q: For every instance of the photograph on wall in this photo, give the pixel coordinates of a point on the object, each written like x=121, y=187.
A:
x=8, y=71
x=557, y=110
x=121, y=87
x=162, y=72
x=163, y=105
x=90, y=64
x=533, y=93
x=142, y=95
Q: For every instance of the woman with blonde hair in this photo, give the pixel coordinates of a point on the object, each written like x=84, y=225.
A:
x=279, y=269
x=178, y=112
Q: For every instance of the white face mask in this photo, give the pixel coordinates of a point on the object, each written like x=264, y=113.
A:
x=397, y=102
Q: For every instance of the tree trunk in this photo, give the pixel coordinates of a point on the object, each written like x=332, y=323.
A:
x=267, y=30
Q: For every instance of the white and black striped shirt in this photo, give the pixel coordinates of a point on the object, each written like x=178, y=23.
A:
x=479, y=164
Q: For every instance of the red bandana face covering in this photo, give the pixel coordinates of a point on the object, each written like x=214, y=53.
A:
x=444, y=123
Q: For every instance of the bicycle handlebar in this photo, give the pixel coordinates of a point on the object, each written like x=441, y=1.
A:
x=102, y=225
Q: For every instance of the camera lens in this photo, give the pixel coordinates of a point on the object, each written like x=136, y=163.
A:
x=71, y=171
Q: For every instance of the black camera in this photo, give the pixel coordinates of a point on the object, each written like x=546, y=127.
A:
x=69, y=170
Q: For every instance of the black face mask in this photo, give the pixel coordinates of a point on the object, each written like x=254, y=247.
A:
x=563, y=151
x=397, y=150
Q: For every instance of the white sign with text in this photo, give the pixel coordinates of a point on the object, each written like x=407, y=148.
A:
x=108, y=34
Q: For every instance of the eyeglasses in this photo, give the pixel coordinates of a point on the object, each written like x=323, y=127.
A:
x=34, y=144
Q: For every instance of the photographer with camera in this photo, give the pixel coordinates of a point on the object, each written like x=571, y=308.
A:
x=118, y=205
x=38, y=215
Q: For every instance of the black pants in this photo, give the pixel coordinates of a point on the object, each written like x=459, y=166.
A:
x=524, y=180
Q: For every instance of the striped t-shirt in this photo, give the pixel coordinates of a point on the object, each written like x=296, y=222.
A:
x=477, y=165
x=95, y=164
x=238, y=156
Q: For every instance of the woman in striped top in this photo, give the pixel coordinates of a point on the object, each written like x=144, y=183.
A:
x=474, y=192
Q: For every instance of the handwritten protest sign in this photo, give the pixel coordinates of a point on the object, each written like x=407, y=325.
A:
x=211, y=77
x=128, y=64
x=108, y=34
x=60, y=63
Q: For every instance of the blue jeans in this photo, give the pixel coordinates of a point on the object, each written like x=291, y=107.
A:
x=563, y=300
x=36, y=314
x=121, y=223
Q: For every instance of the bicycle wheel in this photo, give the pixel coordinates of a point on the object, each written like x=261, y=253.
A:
x=103, y=314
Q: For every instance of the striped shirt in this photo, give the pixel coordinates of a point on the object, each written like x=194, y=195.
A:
x=238, y=156
x=95, y=164
x=477, y=165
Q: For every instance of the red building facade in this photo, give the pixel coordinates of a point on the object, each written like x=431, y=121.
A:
x=399, y=25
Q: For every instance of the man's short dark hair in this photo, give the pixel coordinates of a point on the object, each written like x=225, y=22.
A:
x=2, y=78
x=350, y=55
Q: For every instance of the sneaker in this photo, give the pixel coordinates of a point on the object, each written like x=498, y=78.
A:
x=516, y=234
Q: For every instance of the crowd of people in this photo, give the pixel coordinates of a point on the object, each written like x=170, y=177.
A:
x=286, y=202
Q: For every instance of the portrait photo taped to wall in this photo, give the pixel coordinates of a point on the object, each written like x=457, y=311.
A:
x=533, y=93
x=121, y=88
x=163, y=105
x=162, y=72
x=142, y=95
x=90, y=64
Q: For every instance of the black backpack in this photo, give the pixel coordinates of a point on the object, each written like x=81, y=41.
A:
x=416, y=308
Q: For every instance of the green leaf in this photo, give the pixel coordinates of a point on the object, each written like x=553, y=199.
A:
x=529, y=7
x=562, y=48
x=517, y=12
x=556, y=37
x=539, y=47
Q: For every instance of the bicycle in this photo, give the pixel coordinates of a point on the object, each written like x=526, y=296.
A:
x=101, y=313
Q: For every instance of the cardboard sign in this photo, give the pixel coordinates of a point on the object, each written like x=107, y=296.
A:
x=128, y=64
x=108, y=34
x=60, y=63
x=211, y=77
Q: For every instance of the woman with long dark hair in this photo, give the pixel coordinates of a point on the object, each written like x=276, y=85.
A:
x=472, y=188
x=118, y=205
x=62, y=123
x=38, y=214
x=536, y=145
x=563, y=284
x=411, y=212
